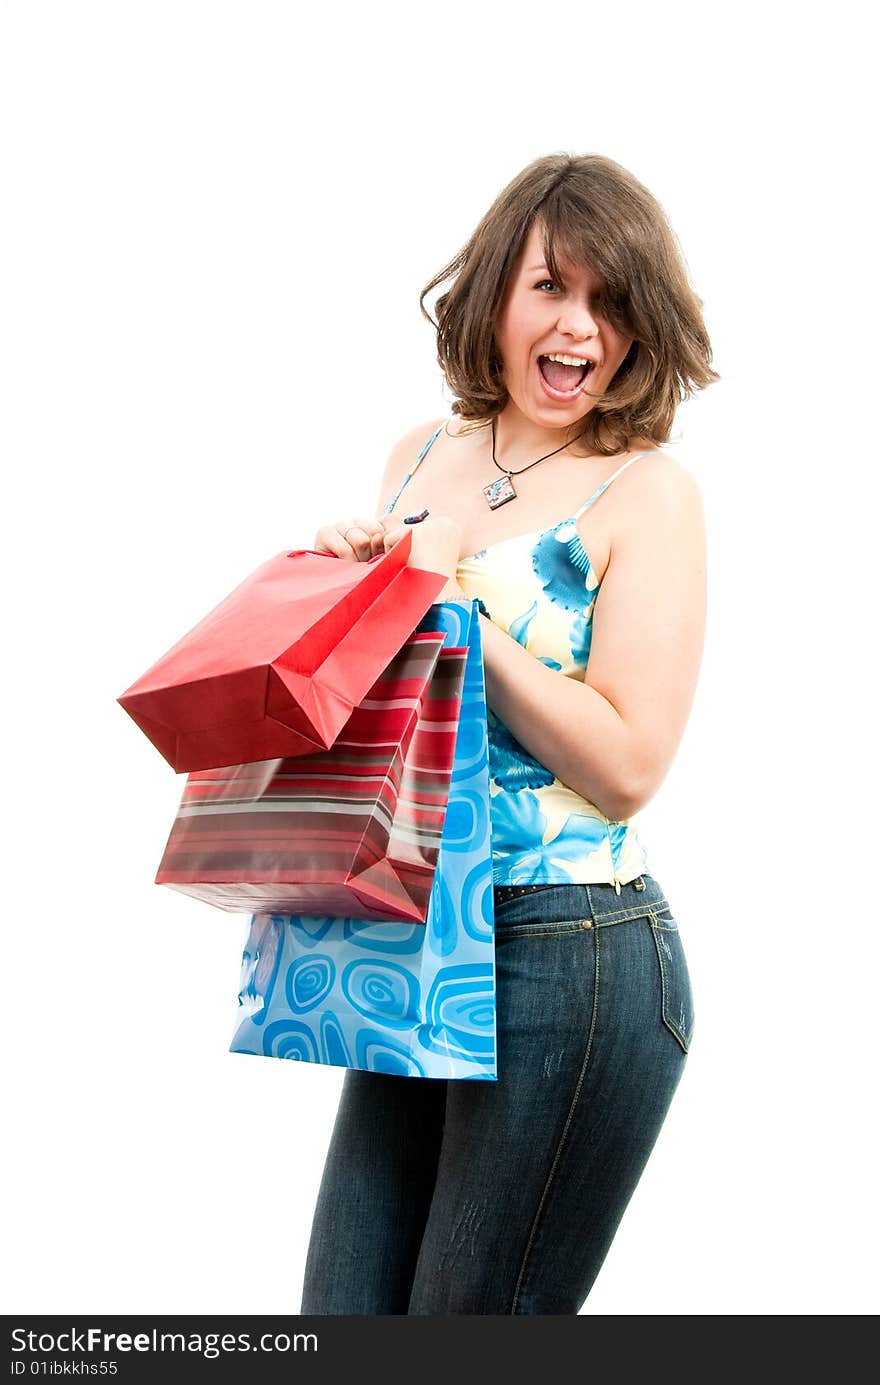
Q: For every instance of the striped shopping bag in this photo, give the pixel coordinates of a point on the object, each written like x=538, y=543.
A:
x=355, y=828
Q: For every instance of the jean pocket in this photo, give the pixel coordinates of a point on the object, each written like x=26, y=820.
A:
x=539, y=928
x=675, y=981
x=556, y=909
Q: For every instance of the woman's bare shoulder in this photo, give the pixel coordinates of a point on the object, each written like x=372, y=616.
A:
x=665, y=495
x=415, y=438
x=659, y=474
x=403, y=454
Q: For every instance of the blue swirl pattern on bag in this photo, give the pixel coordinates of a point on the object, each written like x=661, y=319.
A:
x=416, y=1000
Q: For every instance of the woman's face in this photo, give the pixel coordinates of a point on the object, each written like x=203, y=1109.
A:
x=539, y=317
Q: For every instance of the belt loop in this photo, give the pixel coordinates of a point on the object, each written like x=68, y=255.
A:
x=590, y=910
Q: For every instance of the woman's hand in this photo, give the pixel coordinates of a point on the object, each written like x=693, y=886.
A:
x=357, y=539
x=436, y=544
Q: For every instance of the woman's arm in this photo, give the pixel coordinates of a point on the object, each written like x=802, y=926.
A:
x=613, y=738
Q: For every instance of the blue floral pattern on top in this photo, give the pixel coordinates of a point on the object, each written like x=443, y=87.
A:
x=561, y=565
x=510, y=764
x=540, y=589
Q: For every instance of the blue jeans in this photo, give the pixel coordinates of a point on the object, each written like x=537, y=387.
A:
x=443, y=1197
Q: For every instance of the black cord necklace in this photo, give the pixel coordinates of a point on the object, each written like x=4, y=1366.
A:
x=499, y=492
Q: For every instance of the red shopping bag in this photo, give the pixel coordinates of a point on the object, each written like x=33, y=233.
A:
x=354, y=830
x=278, y=667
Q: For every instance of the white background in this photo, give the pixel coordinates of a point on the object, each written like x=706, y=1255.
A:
x=203, y=204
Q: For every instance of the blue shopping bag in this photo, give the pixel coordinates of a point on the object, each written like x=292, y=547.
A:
x=410, y=999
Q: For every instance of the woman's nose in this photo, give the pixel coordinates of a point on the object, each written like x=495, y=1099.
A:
x=576, y=320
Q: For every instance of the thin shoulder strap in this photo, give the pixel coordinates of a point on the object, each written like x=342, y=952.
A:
x=410, y=474
x=605, y=484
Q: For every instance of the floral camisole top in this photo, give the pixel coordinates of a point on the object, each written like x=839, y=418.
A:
x=540, y=589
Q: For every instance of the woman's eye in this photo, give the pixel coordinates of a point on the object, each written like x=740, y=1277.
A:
x=543, y=282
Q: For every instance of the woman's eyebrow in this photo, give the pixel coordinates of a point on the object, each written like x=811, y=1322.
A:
x=533, y=268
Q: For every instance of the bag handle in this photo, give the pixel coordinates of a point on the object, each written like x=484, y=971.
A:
x=295, y=552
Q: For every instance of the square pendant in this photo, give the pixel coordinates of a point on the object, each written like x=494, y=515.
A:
x=499, y=492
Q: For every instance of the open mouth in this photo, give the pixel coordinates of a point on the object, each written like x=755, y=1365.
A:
x=563, y=379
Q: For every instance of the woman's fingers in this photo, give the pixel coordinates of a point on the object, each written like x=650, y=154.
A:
x=357, y=538
x=393, y=534
x=362, y=533
x=329, y=540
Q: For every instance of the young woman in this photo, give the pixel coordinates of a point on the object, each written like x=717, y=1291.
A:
x=569, y=337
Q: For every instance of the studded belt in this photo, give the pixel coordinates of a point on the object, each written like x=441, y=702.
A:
x=501, y=893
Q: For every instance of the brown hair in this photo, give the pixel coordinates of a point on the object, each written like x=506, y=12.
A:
x=597, y=215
